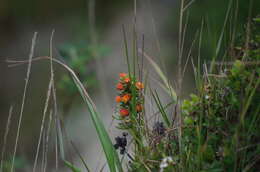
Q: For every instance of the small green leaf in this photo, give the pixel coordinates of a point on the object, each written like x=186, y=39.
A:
x=257, y=19
x=72, y=167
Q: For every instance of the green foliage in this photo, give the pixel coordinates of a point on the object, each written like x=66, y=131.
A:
x=214, y=125
x=79, y=57
x=218, y=123
x=19, y=163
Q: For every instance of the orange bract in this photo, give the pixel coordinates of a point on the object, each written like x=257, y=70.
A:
x=122, y=75
x=120, y=86
x=118, y=99
x=125, y=92
x=124, y=112
x=127, y=80
x=139, y=85
x=126, y=98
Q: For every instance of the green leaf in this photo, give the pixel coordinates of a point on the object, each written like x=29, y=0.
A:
x=257, y=19
x=72, y=167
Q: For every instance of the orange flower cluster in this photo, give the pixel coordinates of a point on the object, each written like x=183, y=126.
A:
x=125, y=88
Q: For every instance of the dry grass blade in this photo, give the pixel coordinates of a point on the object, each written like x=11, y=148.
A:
x=43, y=148
x=188, y=5
x=5, y=136
x=180, y=54
x=253, y=162
x=126, y=50
x=248, y=29
x=24, y=96
x=43, y=121
x=56, y=152
x=189, y=54
x=59, y=135
x=45, y=107
x=47, y=142
x=220, y=40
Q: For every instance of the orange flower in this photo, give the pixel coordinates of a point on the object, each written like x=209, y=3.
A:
x=139, y=85
x=118, y=99
x=139, y=108
x=119, y=86
x=124, y=112
x=127, y=80
x=122, y=75
x=126, y=98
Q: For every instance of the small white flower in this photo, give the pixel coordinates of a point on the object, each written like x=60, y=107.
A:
x=207, y=97
x=165, y=162
x=163, y=165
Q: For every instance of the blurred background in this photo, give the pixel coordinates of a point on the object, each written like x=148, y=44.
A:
x=88, y=37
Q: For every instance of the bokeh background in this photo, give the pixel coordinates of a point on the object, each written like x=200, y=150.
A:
x=77, y=25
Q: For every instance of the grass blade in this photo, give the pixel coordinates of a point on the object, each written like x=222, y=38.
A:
x=24, y=96
x=161, y=108
x=111, y=155
x=221, y=37
x=43, y=121
x=5, y=136
x=72, y=167
x=158, y=70
x=80, y=156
